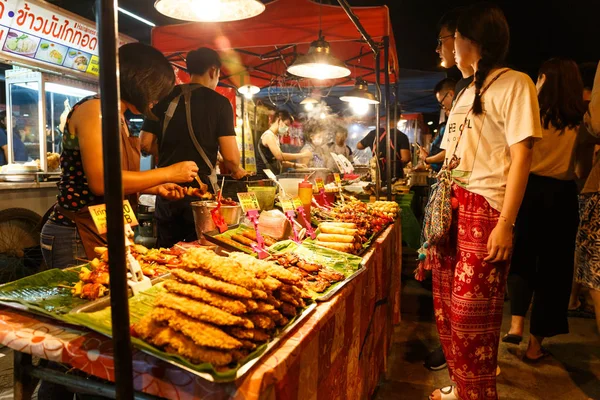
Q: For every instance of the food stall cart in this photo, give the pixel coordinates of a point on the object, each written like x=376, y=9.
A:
x=49, y=57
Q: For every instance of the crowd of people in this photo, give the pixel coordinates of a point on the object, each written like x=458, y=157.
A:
x=525, y=196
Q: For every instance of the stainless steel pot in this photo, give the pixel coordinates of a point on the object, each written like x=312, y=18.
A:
x=203, y=218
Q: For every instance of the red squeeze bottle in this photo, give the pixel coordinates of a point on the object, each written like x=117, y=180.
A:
x=305, y=193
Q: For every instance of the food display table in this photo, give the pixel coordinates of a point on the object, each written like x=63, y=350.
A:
x=340, y=351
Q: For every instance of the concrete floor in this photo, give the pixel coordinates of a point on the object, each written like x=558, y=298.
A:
x=573, y=372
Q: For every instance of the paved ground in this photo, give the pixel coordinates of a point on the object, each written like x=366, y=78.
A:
x=572, y=373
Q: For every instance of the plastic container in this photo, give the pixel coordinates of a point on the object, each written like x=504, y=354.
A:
x=265, y=191
x=291, y=185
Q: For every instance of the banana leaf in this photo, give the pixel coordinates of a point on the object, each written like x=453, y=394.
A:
x=347, y=264
x=142, y=304
x=47, y=293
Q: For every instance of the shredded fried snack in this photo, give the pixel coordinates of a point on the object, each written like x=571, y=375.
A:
x=177, y=343
x=223, y=268
x=272, y=269
x=212, y=284
x=201, y=333
x=201, y=311
x=262, y=321
x=234, y=307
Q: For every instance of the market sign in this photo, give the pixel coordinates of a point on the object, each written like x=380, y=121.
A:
x=47, y=34
x=98, y=214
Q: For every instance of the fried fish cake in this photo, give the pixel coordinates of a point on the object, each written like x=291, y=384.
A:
x=177, y=343
x=223, y=268
x=271, y=284
x=212, y=284
x=259, y=294
x=201, y=311
x=250, y=304
x=264, y=307
x=201, y=333
x=232, y=306
x=287, y=298
x=289, y=310
x=255, y=335
x=272, y=269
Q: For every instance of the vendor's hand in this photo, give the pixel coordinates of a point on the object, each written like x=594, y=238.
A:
x=423, y=154
x=171, y=191
x=239, y=173
x=300, y=166
x=184, y=171
x=500, y=242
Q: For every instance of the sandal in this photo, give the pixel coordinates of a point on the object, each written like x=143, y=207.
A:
x=580, y=312
x=512, y=339
x=528, y=360
x=447, y=393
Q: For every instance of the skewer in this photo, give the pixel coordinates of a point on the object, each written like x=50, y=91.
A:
x=82, y=259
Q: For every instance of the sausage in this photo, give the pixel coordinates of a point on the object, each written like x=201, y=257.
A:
x=235, y=244
x=243, y=240
x=250, y=234
x=329, y=237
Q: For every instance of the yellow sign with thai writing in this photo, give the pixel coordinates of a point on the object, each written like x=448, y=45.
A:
x=99, y=216
x=248, y=201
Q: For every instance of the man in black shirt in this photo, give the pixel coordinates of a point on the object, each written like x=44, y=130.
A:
x=402, y=153
x=170, y=140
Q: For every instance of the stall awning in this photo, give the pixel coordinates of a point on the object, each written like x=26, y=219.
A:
x=258, y=49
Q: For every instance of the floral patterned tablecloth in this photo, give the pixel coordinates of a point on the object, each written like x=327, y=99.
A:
x=340, y=351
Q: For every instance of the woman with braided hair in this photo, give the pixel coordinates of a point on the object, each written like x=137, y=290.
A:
x=489, y=140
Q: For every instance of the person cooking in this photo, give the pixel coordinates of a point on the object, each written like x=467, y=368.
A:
x=316, y=150
x=69, y=234
x=270, y=155
x=402, y=154
x=20, y=153
x=195, y=123
x=339, y=146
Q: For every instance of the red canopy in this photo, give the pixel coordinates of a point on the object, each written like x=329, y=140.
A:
x=257, y=50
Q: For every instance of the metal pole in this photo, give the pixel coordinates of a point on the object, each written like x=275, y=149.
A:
x=377, y=125
x=361, y=29
x=243, y=132
x=106, y=22
x=388, y=137
x=396, y=105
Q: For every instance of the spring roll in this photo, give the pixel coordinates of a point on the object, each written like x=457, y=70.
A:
x=329, y=237
x=343, y=247
x=251, y=234
x=347, y=225
x=337, y=230
x=243, y=240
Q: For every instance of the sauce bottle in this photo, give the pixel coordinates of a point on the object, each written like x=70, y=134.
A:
x=305, y=193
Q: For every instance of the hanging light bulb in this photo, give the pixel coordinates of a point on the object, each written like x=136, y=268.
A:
x=309, y=103
x=360, y=94
x=319, y=63
x=323, y=115
x=248, y=90
x=209, y=10
x=359, y=108
x=309, y=106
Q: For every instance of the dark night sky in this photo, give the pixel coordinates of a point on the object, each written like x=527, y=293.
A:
x=539, y=29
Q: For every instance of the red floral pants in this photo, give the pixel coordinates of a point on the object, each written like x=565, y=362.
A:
x=468, y=296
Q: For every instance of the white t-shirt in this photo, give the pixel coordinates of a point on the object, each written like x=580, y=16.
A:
x=511, y=114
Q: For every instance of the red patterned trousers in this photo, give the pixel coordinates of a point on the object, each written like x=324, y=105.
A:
x=468, y=297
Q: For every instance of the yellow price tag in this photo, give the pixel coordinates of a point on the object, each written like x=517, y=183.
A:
x=298, y=203
x=248, y=201
x=320, y=183
x=337, y=178
x=98, y=214
x=287, y=204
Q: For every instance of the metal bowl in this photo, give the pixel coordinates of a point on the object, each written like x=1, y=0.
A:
x=203, y=218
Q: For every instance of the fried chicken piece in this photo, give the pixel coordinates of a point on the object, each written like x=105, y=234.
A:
x=273, y=301
x=255, y=335
x=297, y=271
x=287, y=298
x=259, y=294
x=264, y=307
x=272, y=269
x=239, y=355
x=309, y=267
x=92, y=291
x=271, y=284
x=201, y=333
x=223, y=268
x=234, y=307
x=211, y=284
x=250, y=304
x=294, y=291
x=248, y=345
x=331, y=275
x=201, y=311
x=276, y=316
x=178, y=343
x=260, y=336
x=261, y=321
x=283, y=321
x=318, y=286
x=288, y=310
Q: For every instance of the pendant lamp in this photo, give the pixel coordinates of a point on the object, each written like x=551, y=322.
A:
x=209, y=10
x=319, y=63
x=248, y=90
x=360, y=94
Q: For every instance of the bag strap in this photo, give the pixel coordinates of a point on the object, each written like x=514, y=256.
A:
x=263, y=157
x=453, y=160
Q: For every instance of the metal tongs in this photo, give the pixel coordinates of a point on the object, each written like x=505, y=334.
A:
x=216, y=213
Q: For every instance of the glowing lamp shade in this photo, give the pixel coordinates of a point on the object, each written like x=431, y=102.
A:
x=359, y=94
x=248, y=90
x=360, y=108
x=209, y=10
x=319, y=63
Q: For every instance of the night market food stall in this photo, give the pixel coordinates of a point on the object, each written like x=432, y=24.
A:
x=278, y=309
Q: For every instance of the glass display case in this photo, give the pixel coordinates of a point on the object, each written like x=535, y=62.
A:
x=37, y=107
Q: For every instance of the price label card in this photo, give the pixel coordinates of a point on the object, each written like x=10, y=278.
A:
x=98, y=214
x=320, y=184
x=338, y=180
x=248, y=201
x=287, y=204
x=270, y=174
x=298, y=203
